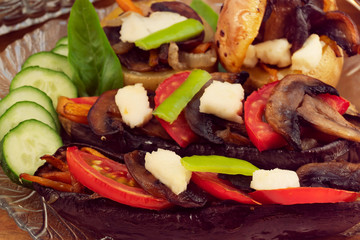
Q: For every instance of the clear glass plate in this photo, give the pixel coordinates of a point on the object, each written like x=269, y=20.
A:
x=19, y=14
x=26, y=207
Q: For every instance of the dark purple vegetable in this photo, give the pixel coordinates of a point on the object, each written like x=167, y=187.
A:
x=221, y=220
x=340, y=175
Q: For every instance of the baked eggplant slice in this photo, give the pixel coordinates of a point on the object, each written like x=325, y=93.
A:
x=218, y=220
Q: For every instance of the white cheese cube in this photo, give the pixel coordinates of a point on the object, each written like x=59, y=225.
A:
x=274, y=179
x=308, y=57
x=134, y=105
x=251, y=59
x=135, y=26
x=166, y=166
x=223, y=100
x=274, y=52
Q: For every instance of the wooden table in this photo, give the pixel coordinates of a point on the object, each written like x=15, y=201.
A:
x=9, y=230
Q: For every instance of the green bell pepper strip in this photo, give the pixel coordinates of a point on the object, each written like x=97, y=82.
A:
x=218, y=164
x=206, y=12
x=178, y=32
x=172, y=106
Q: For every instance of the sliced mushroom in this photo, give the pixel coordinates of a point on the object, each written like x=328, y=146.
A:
x=340, y=175
x=191, y=197
x=326, y=119
x=287, y=96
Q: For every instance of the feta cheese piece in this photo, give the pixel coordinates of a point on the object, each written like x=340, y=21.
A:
x=166, y=166
x=134, y=106
x=251, y=59
x=274, y=52
x=308, y=56
x=274, y=179
x=135, y=26
x=224, y=100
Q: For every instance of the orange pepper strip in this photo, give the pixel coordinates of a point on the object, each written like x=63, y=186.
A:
x=47, y=182
x=76, y=112
x=62, y=166
x=128, y=5
x=64, y=177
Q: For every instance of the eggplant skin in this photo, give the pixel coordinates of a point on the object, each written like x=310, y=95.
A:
x=224, y=220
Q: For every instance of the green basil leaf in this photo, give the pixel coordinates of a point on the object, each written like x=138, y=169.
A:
x=97, y=67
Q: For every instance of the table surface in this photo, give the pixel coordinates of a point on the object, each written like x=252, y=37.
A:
x=8, y=228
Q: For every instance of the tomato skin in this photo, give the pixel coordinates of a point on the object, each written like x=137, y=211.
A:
x=85, y=100
x=220, y=188
x=179, y=130
x=261, y=133
x=338, y=103
x=303, y=195
x=106, y=186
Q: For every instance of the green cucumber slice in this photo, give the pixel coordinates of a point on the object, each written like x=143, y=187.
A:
x=51, y=61
x=53, y=83
x=28, y=93
x=61, y=50
x=62, y=41
x=24, y=145
x=22, y=111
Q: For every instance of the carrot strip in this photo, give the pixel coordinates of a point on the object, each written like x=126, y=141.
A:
x=154, y=58
x=47, y=182
x=202, y=48
x=77, y=109
x=271, y=71
x=64, y=177
x=62, y=166
x=93, y=152
x=128, y=5
x=73, y=111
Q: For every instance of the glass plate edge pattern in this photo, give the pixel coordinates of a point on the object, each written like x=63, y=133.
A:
x=26, y=207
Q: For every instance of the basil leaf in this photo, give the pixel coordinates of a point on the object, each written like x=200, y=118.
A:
x=97, y=67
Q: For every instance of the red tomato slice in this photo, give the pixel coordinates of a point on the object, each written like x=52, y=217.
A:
x=110, y=179
x=261, y=133
x=338, y=103
x=220, y=188
x=85, y=100
x=179, y=130
x=303, y=195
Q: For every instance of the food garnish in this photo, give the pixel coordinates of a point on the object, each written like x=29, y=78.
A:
x=96, y=65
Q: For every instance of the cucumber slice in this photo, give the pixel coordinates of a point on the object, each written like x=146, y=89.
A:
x=28, y=93
x=24, y=145
x=62, y=41
x=61, y=50
x=53, y=83
x=22, y=111
x=51, y=61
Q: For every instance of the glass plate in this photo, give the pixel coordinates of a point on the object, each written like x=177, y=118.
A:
x=19, y=14
x=26, y=207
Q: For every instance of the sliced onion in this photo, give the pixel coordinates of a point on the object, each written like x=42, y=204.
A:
x=182, y=60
